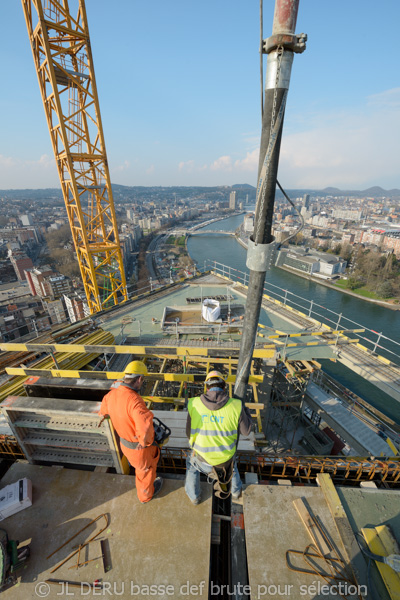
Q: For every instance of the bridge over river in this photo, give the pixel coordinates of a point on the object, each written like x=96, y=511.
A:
x=192, y=232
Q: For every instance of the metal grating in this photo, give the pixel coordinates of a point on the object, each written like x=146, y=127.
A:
x=62, y=431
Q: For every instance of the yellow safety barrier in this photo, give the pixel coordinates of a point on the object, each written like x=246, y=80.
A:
x=173, y=351
x=76, y=374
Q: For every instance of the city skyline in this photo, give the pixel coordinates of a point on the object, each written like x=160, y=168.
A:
x=180, y=101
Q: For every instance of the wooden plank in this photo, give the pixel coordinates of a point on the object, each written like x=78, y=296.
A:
x=388, y=540
x=356, y=562
x=311, y=527
x=381, y=542
x=316, y=364
x=171, y=416
x=179, y=443
x=289, y=367
x=181, y=401
x=307, y=366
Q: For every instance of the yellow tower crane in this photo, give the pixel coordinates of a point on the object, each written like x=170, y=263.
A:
x=63, y=60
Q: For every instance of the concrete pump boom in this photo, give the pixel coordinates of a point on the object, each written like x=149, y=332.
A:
x=279, y=48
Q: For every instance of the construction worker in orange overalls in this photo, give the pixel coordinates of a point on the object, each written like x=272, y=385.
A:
x=133, y=422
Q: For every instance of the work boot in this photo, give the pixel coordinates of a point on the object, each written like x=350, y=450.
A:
x=196, y=501
x=237, y=495
x=158, y=482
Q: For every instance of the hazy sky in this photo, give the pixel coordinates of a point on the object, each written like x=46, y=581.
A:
x=179, y=91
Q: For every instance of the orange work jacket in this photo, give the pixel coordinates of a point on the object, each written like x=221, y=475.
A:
x=130, y=417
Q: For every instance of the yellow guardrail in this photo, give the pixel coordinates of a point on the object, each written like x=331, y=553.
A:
x=77, y=374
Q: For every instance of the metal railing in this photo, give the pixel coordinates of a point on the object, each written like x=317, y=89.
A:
x=373, y=340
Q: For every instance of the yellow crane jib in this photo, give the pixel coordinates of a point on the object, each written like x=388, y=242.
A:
x=61, y=51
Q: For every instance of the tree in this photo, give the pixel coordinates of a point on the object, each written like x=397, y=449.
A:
x=385, y=290
x=346, y=252
x=70, y=269
x=299, y=239
x=185, y=261
x=354, y=282
x=58, y=238
x=325, y=246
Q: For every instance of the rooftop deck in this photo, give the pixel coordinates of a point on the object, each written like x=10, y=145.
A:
x=147, y=544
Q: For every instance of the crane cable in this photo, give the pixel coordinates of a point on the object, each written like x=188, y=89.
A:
x=298, y=212
x=261, y=58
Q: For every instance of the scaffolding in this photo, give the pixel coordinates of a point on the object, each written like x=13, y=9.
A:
x=284, y=415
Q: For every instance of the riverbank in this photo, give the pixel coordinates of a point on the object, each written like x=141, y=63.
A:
x=354, y=313
x=325, y=283
x=332, y=286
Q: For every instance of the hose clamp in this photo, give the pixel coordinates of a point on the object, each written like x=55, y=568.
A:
x=260, y=256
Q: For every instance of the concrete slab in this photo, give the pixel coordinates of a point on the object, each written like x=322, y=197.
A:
x=163, y=543
x=210, y=280
x=143, y=328
x=154, y=308
x=272, y=527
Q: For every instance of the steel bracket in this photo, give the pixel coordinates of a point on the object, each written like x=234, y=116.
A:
x=288, y=41
x=260, y=256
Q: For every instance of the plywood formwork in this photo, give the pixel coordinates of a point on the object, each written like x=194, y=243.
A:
x=148, y=544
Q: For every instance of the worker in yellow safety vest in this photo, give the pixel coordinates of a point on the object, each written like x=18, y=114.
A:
x=213, y=425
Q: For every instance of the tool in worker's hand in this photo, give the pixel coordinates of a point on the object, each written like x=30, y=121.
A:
x=161, y=432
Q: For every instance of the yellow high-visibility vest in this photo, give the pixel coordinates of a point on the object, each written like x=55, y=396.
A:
x=214, y=433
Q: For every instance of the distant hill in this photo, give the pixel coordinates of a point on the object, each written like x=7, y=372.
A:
x=331, y=190
x=244, y=186
x=130, y=192
x=373, y=192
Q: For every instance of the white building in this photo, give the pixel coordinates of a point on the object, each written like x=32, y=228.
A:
x=248, y=223
x=311, y=262
x=27, y=220
x=76, y=306
x=347, y=215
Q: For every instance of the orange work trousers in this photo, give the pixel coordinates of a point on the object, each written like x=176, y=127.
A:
x=144, y=462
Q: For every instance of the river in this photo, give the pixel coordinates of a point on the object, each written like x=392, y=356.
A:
x=228, y=251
